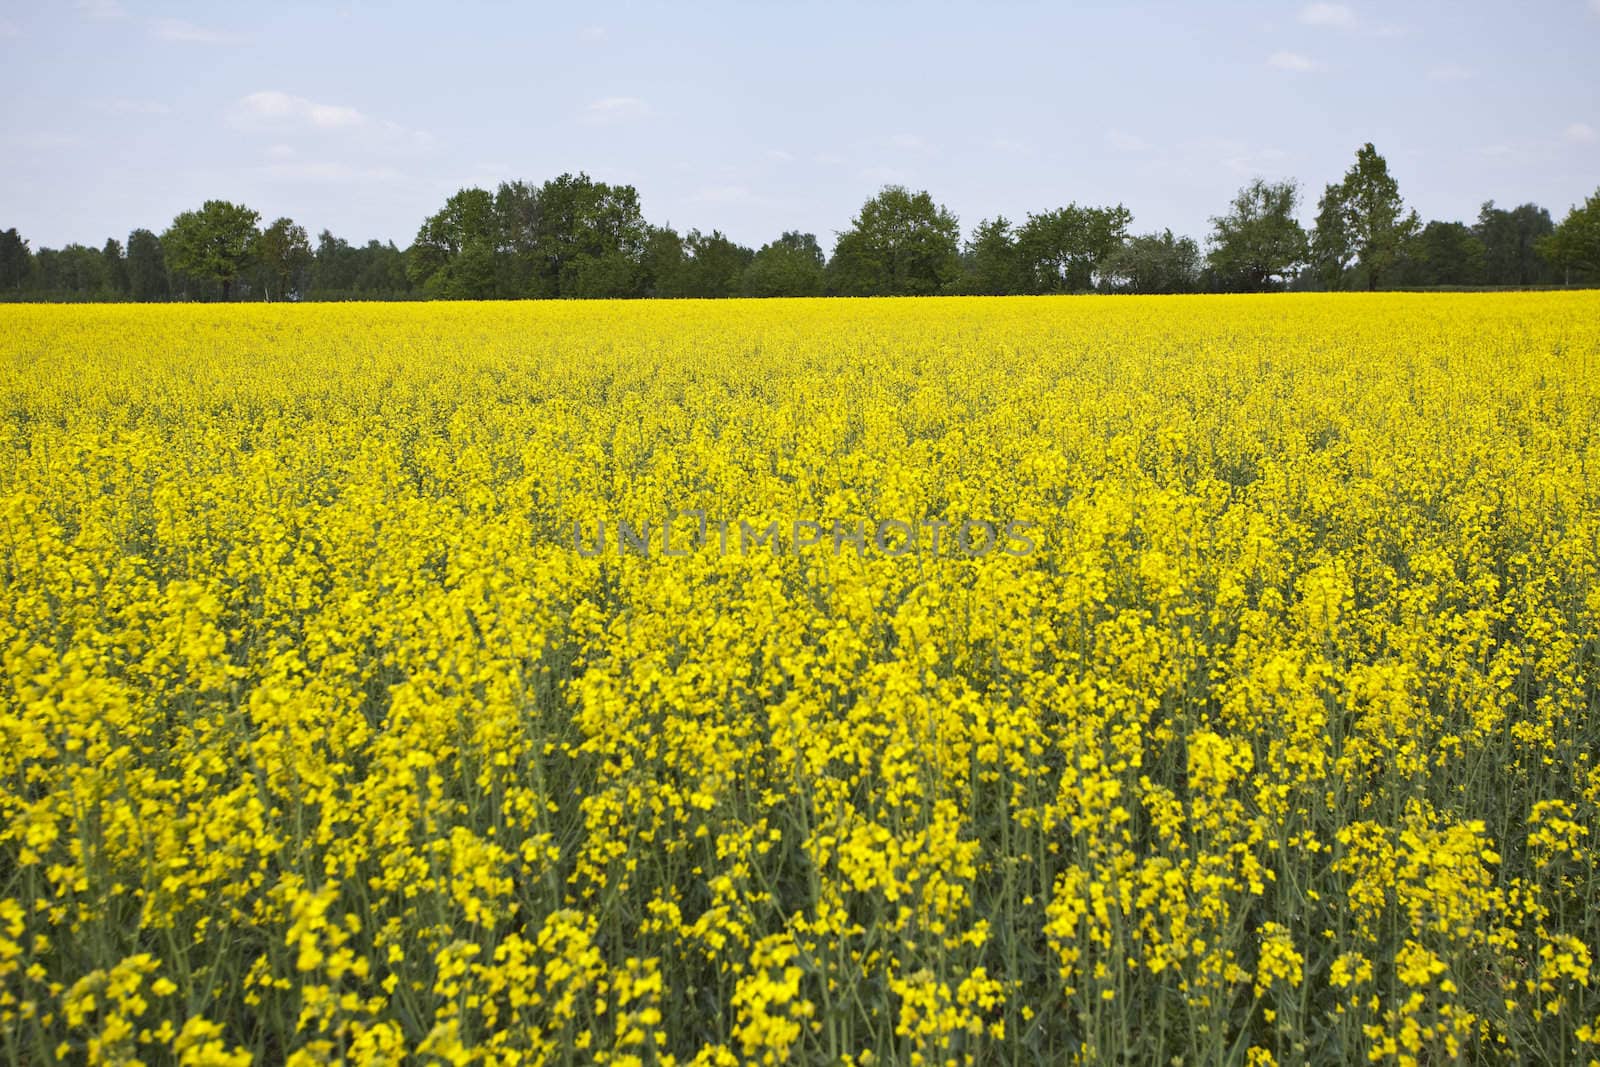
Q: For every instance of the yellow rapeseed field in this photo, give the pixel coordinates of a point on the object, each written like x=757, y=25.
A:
x=352, y=709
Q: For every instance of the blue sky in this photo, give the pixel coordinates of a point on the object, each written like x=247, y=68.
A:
x=762, y=117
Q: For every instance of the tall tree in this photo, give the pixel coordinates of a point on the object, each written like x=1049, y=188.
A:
x=993, y=261
x=147, y=266
x=609, y=275
x=213, y=244
x=1442, y=253
x=1154, y=263
x=713, y=266
x=375, y=271
x=591, y=237
x=380, y=271
x=1062, y=250
x=899, y=244
x=114, y=268
x=333, y=267
x=1374, y=217
x=73, y=272
x=793, y=265
x=518, y=216
x=453, y=257
x=1259, y=243
x=1332, y=245
x=1511, y=242
x=16, y=262
x=661, y=263
x=1575, y=244
x=46, y=278
x=284, y=252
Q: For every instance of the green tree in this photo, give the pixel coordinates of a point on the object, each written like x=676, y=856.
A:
x=284, y=253
x=571, y=236
x=517, y=213
x=591, y=238
x=453, y=257
x=147, y=267
x=606, y=276
x=212, y=244
x=1062, y=250
x=661, y=263
x=713, y=266
x=1373, y=219
x=380, y=271
x=1258, y=244
x=1443, y=253
x=1153, y=263
x=339, y=271
x=1511, y=242
x=74, y=272
x=1575, y=244
x=46, y=277
x=114, y=268
x=793, y=265
x=993, y=262
x=899, y=244
x=334, y=266
x=16, y=262
x=1332, y=246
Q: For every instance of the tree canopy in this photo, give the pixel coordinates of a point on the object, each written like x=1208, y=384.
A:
x=790, y=266
x=575, y=237
x=1575, y=244
x=1153, y=263
x=1363, y=221
x=1258, y=244
x=284, y=254
x=899, y=244
x=1062, y=250
x=212, y=244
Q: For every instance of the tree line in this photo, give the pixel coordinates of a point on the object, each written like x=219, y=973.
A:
x=575, y=237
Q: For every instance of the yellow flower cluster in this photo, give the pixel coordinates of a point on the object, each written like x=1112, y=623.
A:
x=322, y=741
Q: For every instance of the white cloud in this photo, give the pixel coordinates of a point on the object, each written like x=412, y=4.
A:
x=1256, y=162
x=8, y=29
x=1012, y=145
x=42, y=142
x=1336, y=16
x=881, y=175
x=330, y=116
x=405, y=137
x=778, y=155
x=1451, y=72
x=329, y=171
x=180, y=31
x=1123, y=141
x=1580, y=133
x=1594, y=5
x=129, y=106
x=102, y=9
x=281, y=108
x=616, y=109
x=725, y=194
x=1292, y=61
x=908, y=142
x=1342, y=17
x=592, y=34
